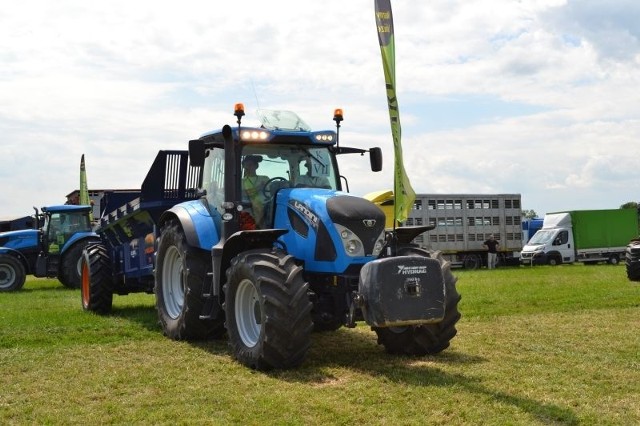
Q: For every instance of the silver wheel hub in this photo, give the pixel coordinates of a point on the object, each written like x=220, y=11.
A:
x=173, y=283
x=248, y=313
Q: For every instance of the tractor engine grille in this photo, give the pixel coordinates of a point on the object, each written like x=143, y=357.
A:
x=361, y=216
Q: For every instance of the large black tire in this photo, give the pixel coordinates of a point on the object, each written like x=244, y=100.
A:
x=12, y=273
x=268, y=310
x=71, y=268
x=427, y=339
x=180, y=278
x=632, y=260
x=97, y=286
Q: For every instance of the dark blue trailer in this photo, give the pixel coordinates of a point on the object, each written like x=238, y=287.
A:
x=123, y=261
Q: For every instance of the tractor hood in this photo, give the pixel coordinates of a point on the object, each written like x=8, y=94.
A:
x=19, y=239
x=329, y=229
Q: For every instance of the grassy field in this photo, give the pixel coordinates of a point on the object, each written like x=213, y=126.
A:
x=548, y=345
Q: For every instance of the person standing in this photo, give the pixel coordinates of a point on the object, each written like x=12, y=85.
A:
x=492, y=247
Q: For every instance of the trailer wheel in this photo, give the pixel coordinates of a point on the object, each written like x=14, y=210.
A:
x=426, y=339
x=613, y=259
x=12, y=274
x=471, y=262
x=70, y=274
x=96, y=287
x=268, y=310
x=180, y=277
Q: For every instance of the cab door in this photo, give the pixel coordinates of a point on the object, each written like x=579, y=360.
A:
x=563, y=243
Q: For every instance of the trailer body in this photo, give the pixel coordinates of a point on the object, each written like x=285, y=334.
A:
x=460, y=223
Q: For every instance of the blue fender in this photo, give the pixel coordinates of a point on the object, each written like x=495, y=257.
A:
x=78, y=236
x=200, y=228
x=18, y=255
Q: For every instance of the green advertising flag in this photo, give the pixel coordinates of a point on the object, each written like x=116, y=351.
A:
x=84, y=188
x=403, y=192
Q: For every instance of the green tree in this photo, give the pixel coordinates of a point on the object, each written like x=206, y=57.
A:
x=529, y=214
x=629, y=205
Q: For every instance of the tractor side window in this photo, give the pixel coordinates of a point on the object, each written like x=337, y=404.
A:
x=213, y=179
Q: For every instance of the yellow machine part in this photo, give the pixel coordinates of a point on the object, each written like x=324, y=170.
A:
x=384, y=200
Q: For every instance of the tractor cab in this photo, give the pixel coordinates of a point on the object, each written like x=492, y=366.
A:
x=61, y=223
x=280, y=155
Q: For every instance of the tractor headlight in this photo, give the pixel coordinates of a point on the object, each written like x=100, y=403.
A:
x=379, y=245
x=254, y=135
x=350, y=241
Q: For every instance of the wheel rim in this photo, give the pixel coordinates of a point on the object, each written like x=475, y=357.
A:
x=79, y=266
x=172, y=283
x=85, y=285
x=7, y=276
x=248, y=313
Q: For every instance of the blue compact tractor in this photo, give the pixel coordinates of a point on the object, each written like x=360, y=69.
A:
x=256, y=239
x=53, y=249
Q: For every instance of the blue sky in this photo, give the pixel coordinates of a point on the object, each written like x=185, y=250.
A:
x=537, y=97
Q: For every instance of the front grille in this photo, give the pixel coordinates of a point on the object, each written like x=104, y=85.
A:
x=359, y=215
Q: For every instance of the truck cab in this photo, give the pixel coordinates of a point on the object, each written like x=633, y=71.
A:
x=553, y=244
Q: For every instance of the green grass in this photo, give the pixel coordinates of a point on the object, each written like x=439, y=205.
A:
x=535, y=346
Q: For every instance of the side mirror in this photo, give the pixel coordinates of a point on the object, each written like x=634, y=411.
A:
x=196, y=153
x=375, y=158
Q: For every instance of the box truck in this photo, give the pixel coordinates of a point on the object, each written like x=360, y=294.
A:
x=588, y=236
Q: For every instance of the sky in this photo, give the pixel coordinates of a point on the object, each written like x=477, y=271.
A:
x=535, y=97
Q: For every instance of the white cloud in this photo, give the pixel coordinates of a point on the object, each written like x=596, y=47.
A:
x=533, y=97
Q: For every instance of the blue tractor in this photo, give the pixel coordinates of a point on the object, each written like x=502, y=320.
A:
x=269, y=254
x=52, y=249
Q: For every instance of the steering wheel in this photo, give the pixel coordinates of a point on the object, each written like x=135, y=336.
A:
x=266, y=191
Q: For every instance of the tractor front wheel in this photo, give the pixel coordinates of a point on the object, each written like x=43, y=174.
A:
x=426, y=339
x=12, y=273
x=268, y=310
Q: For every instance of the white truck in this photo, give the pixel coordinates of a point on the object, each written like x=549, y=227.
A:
x=588, y=236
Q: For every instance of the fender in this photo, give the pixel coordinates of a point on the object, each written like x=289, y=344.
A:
x=553, y=253
x=18, y=255
x=79, y=236
x=198, y=225
x=224, y=251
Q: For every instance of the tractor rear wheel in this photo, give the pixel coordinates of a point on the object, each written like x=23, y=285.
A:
x=96, y=287
x=182, y=272
x=426, y=339
x=12, y=273
x=268, y=310
x=70, y=274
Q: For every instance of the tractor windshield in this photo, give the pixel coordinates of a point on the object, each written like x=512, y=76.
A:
x=290, y=166
x=267, y=169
